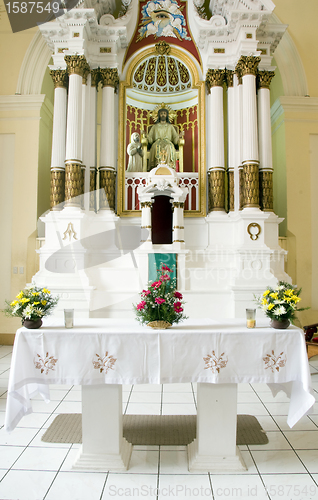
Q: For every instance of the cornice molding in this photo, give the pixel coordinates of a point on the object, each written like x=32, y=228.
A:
x=293, y=104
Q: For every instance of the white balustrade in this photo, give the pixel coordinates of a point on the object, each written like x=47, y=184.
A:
x=189, y=180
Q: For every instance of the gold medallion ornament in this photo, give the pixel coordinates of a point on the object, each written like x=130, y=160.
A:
x=59, y=77
x=215, y=78
x=163, y=48
x=254, y=230
x=76, y=65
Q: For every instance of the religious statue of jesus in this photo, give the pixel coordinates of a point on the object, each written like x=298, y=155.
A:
x=163, y=137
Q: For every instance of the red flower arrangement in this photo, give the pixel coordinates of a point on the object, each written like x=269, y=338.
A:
x=161, y=301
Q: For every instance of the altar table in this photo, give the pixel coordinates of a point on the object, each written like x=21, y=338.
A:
x=102, y=354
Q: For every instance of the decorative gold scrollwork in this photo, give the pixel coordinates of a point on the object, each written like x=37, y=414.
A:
x=163, y=48
x=254, y=230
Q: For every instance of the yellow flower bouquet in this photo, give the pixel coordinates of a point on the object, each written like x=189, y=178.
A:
x=280, y=303
x=32, y=303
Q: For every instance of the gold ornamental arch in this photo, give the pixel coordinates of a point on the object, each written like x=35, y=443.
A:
x=161, y=48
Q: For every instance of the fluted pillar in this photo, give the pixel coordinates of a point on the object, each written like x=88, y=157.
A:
x=109, y=78
x=247, y=68
x=265, y=140
x=146, y=228
x=57, y=194
x=76, y=66
x=231, y=138
x=92, y=161
x=178, y=222
x=85, y=137
x=215, y=80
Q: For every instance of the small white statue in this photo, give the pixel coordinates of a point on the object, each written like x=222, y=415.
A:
x=134, y=150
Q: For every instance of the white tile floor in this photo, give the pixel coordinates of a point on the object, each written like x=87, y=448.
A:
x=285, y=468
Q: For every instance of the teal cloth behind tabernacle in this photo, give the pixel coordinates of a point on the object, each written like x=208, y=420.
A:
x=155, y=260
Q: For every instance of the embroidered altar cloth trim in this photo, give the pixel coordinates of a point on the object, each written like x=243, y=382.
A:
x=111, y=351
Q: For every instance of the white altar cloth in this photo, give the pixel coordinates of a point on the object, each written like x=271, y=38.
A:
x=112, y=351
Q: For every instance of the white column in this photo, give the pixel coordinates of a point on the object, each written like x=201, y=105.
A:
x=59, y=128
x=58, y=139
x=77, y=67
x=92, y=137
x=146, y=228
x=265, y=140
x=238, y=90
x=248, y=69
x=178, y=222
x=215, y=80
x=216, y=136
x=107, y=147
x=110, y=80
x=214, y=449
x=231, y=138
x=250, y=137
x=74, y=120
x=103, y=445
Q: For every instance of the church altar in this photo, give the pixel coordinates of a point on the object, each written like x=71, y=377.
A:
x=103, y=354
x=212, y=205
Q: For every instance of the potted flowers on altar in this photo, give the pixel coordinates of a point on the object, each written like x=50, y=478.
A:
x=31, y=305
x=161, y=304
x=280, y=304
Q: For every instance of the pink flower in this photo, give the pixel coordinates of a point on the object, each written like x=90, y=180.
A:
x=166, y=268
x=165, y=277
x=156, y=284
x=141, y=305
x=178, y=295
x=177, y=307
x=146, y=292
x=159, y=301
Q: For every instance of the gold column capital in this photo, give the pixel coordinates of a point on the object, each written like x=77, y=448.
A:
x=77, y=65
x=146, y=204
x=247, y=65
x=59, y=77
x=109, y=77
x=95, y=77
x=215, y=78
x=264, y=79
x=229, y=76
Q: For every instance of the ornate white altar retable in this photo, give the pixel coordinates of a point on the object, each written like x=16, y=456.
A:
x=113, y=71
